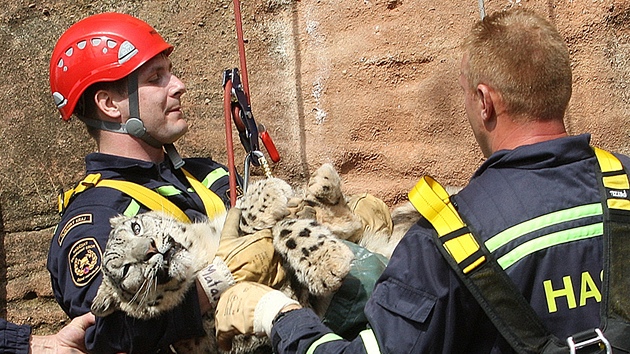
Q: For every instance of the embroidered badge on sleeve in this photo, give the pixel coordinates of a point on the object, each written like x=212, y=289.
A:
x=84, y=261
x=75, y=221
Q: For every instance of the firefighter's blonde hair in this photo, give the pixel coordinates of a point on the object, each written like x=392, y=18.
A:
x=524, y=58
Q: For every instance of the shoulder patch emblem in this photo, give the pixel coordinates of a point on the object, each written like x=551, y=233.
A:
x=84, y=261
x=75, y=221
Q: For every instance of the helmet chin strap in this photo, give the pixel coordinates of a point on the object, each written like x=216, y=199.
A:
x=134, y=126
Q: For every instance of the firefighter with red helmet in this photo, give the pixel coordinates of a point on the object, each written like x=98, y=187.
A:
x=112, y=71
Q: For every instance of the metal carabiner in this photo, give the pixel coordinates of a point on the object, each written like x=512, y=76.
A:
x=263, y=163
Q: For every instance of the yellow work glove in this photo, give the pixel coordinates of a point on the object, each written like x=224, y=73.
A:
x=248, y=308
x=240, y=258
x=249, y=257
x=373, y=212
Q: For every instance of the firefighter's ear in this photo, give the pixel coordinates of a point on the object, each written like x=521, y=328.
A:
x=109, y=103
x=487, y=97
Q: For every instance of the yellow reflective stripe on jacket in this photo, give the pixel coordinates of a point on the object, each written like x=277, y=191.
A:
x=328, y=337
x=146, y=196
x=168, y=191
x=539, y=223
x=132, y=209
x=432, y=201
x=213, y=177
x=548, y=240
x=367, y=336
x=211, y=201
x=540, y=243
x=369, y=341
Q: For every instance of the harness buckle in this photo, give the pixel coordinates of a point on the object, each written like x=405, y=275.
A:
x=587, y=339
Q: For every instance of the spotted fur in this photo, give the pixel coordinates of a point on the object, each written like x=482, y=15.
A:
x=264, y=204
x=313, y=254
x=151, y=260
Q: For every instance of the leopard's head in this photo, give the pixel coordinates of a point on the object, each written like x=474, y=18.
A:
x=145, y=271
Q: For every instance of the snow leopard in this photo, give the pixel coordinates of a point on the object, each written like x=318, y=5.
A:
x=151, y=260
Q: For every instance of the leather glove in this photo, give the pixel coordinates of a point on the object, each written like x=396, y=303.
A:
x=248, y=308
x=250, y=257
x=373, y=212
x=240, y=258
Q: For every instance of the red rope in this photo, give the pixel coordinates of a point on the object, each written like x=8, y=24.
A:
x=227, y=102
x=241, y=48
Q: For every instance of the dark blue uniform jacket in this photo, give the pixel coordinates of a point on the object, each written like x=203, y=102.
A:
x=74, y=259
x=420, y=306
x=14, y=338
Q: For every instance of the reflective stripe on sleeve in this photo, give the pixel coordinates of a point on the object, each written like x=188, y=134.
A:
x=328, y=337
x=369, y=341
x=367, y=336
x=168, y=191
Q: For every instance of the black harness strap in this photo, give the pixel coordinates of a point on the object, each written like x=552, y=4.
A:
x=508, y=310
x=615, y=306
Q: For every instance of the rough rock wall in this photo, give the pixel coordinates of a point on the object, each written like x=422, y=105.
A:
x=370, y=86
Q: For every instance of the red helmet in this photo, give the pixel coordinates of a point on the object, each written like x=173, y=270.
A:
x=104, y=47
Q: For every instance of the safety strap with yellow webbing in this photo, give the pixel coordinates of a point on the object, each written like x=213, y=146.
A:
x=502, y=301
x=211, y=202
x=149, y=198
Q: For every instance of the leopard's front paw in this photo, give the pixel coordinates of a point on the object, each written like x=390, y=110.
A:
x=264, y=204
x=319, y=260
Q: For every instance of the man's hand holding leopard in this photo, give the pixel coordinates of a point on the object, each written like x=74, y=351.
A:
x=249, y=308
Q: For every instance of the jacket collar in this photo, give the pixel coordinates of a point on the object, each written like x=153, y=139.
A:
x=112, y=166
x=546, y=154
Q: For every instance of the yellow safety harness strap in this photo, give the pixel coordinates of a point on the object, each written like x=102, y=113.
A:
x=213, y=204
x=64, y=197
x=614, y=178
x=615, y=304
x=488, y=283
x=149, y=198
x=143, y=195
x=432, y=201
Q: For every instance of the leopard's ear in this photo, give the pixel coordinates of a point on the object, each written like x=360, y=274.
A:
x=105, y=302
x=117, y=220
